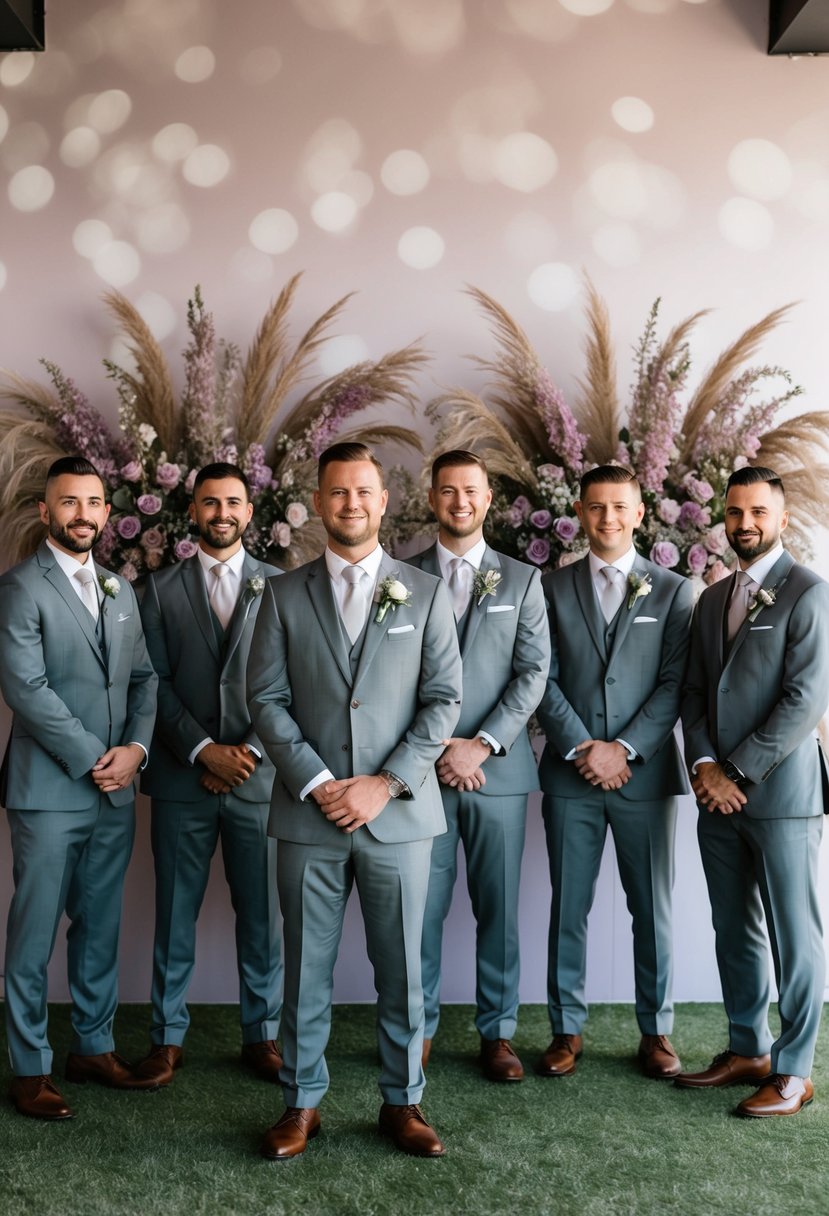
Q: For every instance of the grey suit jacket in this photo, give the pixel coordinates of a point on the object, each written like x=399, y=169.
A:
x=631, y=690
x=505, y=649
x=71, y=703
x=201, y=691
x=760, y=705
x=394, y=712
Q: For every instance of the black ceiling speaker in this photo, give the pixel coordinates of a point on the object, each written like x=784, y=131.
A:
x=22, y=25
x=799, y=27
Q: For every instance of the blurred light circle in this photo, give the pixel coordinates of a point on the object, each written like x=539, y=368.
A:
x=618, y=188
x=109, y=111
x=333, y=211
x=16, y=68
x=117, y=263
x=325, y=169
x=760, y=169
x=541, y=19
x=163, y=229
x=812, y=199
x=3, y=276
x=159, y=314
x=89, y=236
x=553, y=286
x=429, y=27
x=586, y=8
x=195, y=64
x=632, y=114
x=404, y=172
x=524, y=161
x=421, y=248
x=652, y=6
x=273, y=231
x=341, y=351
x=4, y=124
x=261, y=65
x=746, y=223
x=617, y=244
x=31, y=188
x=206, y=166
x=174, y=142
x=79, y=147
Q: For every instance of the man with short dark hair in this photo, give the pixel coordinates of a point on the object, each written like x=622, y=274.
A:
x=757, y=687
x=354, y=680
x=75, y=672
x=488, y=769
x=619, y=630
x=209, y=777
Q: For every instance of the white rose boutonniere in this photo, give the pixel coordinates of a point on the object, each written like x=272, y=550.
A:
x=391, y=594
x=640, y=584
x=484, y=584
x=110, y=586
x=255, y=585
x=766, y=597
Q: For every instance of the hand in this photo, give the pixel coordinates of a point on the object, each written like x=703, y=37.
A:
x=715, y=791
x=117, y=767
x=600, y=762
x=232, y=764
x=213, y=783
x=350, y=803
x=461, y=760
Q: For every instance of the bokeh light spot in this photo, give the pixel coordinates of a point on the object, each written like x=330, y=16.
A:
x=109, y=111
x=90, y=236
x=31, y=188
x=196, y=64
x=117, y=263
x=206, y=166
x=618, y=188
x=163, y=229
x=4, y=277
x=524, y=161
x=421, y=248
x=79, y=147
x=174, y=142
x=273, y=231
x=159, y=314
x=746, y=223
x=404, y=172
x=334, y=211
x=586, y=8
x=760, y=169
x=632, y=114
x=4, y=124
x=16, y=68
x=617, y=244
x=553, y=286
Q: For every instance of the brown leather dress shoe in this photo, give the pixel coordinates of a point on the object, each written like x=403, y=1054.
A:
x=727, y=1069
x=290, y=1135
x=781, y=1095
x=263, y=1058
x=657, y=1057
x=426, y=1052
x=499, y=1062
x=107, y=1069
x=39, y=1098
x=410, y=1131
x=559, y=1060
x=160, y=1063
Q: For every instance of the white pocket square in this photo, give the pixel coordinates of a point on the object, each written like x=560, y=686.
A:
x=123, y=616
x=646, y=620
x=501, y=608
x=756, y=628
x=402, y=629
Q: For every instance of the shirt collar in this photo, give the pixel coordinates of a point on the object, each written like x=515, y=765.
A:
x=760, y=569
x=370, y=563
x=474, y=556
x=623, y=563
x=234, y=563
x=69, y=564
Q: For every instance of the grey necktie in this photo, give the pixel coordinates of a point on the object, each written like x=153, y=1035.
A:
x=613, y=592
x=459, y=587
x=354, y=601
x=222, y=593
x=741, y=596
x=89, y=594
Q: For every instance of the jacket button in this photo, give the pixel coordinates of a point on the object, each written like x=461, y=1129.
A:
x=610, y=680
x=723, y=690
x=355, y=704
x=345, y=747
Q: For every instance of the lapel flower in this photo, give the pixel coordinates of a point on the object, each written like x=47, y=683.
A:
x=255, y=585
x=391, y=594
x=110, y=586
x=640, y=584
x=764, y=598
x=485, y=584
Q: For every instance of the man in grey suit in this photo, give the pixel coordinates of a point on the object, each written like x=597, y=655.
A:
x=74, y=671
x=208, y=776
x=354, y=681
x=619, y=628
x=757, y=687
x=488, y=768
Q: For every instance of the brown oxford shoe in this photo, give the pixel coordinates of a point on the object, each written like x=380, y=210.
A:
x=727, y=1069
x=410, y=1131
x=39, y=1098
x=263, y=1058
x=657, y=1057
x=290, y=1135
x=559, y=1060
x=160, y=1063
x=107, y=1069
x=426, y=1052
x=781, y=1095
x=499, y=1062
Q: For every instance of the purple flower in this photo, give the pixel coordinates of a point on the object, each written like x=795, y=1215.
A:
x=129, y=572
x=168, y=475
x=668, y=510
x=716, y=541
x=132, y=471
x=565, y=528
x=567, y=559
x=697, y=558
x=514, y=516
x=566, y=440
x=128, y=526
x=153, y=538
x=541, y=520
x=190, y=480
x=692, y=515
x=665, y=553
x=185, y=548
x=715, y=572
x=281, y=535
x=538, y=550
x=148, y=504
x=700, y=491
x=105, y=543
x=553, y=472
x=523, y=505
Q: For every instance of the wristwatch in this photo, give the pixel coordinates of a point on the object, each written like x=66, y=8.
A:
x=733, y=773
x=396, y=787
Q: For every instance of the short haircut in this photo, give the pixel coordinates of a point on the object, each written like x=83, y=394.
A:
x=617, y=474
x=218, y=470
x=74, y=466
x=752, y=475
x=348, y=453
x=457, y=458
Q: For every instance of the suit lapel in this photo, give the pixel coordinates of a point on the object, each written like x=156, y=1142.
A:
x=583, y=583
x=322, y=598
x=776, y=577
x=429, y=561
x=54, y=575
x=478, y=605
x=628, y=615
x=376, y=632
x=193, y=581
x=112, y=631
x=250, y=569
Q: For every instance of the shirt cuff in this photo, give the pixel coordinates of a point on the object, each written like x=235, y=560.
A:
x=325, y=775
x=702, y=760
x=493, y=743
x=254, y=751
x=631, y=751
x=194, y=753
x=143, y=764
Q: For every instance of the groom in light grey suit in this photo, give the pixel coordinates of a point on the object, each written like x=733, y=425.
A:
x=75, y=672
x=354, y=682
x=757, y=687
x=209, y=777
x=488, y=768
x=619, y=628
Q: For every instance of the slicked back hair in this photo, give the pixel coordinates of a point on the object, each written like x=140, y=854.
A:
x=752, y=475
x=457, y=458
x=349, y=452
x=616, y=474
x=75, y=466
x=219, y=470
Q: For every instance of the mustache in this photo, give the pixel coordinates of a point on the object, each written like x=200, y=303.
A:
x=83, y=523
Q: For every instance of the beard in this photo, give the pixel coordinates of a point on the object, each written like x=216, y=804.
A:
x=750, y=550
x=63, y=535
x=351, y=539
x=221, y=540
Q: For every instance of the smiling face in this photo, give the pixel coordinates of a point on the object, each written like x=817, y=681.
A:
x=75, y=511
x=755, y=516
x=610, y=513
x=221, y=511
x=351, y=503
x=460, y=496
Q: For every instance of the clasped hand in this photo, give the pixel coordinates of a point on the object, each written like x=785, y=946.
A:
x=117, y=767
x=351, y=802
x=460, y=765
x=227, y=765
x=715, y=791
x=602, y=763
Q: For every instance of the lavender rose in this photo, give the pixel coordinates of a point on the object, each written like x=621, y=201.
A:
x=128, y=526
x=132, y=471
x=523, y=505
x=168, y=475
x=129, y=572
x=692, y=515
x=668, y=511
x=296, y=514
x=149, y=504
x=700, y=491
x=281, y=534
x=185, y=548
x=538, y=550
x=154, y=559
x=715, y=572
x=665, y=553
x=697, y=559
x=565, y=528
x=541, y=520
x=553, y=472
x=153, y=538
x=716, y=541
